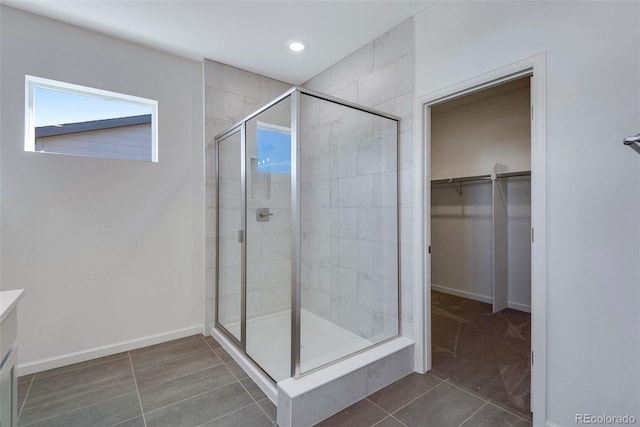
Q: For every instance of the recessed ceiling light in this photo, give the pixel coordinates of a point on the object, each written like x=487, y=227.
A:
x=297, y=46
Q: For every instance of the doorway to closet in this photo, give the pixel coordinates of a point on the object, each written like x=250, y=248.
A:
x=481, y=242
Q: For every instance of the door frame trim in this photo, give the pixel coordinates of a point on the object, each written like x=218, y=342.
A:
x=536, y=67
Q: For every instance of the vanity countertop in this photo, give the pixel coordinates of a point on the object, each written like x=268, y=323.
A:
x=8, y=301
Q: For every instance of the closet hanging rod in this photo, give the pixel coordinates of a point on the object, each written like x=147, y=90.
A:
x=461, y=179
x=479, y=177
x=513, y=174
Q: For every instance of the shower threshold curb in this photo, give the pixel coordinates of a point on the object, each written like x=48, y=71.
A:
x=314, y=397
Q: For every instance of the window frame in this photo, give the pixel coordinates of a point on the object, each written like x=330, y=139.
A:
x=31, y=82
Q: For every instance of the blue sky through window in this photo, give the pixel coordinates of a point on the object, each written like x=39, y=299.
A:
x=274, y=151
x=53, y=107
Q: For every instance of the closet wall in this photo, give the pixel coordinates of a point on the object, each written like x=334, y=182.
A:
x=469, y=136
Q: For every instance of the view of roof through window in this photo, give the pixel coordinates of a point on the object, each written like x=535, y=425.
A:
x=57, y=107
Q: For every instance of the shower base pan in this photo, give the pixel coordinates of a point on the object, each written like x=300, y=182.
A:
x=317, y=395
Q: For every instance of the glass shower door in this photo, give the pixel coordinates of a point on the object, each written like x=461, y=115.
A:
x=230, y=234
x=268, y=240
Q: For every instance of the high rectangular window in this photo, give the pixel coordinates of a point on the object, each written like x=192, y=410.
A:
x=65, y=118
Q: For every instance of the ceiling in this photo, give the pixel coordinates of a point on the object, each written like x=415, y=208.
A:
x=251, y=35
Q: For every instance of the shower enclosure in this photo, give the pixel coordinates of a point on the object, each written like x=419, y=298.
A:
x=307, y=232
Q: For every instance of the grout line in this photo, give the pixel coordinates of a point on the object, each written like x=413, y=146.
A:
x=419, y=396
x=250, y=395
x=508, y=411
x=50, y=417
x=191, y=397
x=124, y=421
x=475, y=412
x=209, y=345
x=265, y=412
x=242, y=385
x=378, y=406
x=224, y=415
x=383, y=418
x=135, y=381
x=474, y=394
x=166, y=380
x=398, y=421
x=173, y=359
x=66, y=369
x=26, y=396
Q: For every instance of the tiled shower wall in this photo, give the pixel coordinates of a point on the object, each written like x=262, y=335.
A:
x=381, y=75
x=232, y=94
x=349, y=218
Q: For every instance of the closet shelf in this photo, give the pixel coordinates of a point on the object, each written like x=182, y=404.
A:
x=479, y=177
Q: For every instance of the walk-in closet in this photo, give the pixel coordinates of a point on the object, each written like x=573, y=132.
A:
x=481, y=242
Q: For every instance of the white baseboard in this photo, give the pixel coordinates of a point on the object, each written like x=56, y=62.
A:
x=107, y=350
x=463, y=294
x=519, y=307
x=479, y=297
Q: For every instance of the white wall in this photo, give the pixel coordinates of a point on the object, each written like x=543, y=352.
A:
x=592, y=51
x=110, y=251
x=469, y=139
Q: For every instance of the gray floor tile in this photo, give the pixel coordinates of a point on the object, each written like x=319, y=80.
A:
x=249, y=416
x=396, y=395
x=165, y=352
x=83, y=365
x=103, y=414
x=389, y=422
x=212, y=342
x=223, y=355
x=136, y=422
x=46, y=406
x=360, y=414
x=269, y=408
x=253, y=389
x=24, y=383
x=443, y=406
x=201, y=408
x=170, y=392
x=78, y=381
x=491, y=416
x=176, y=368
x=236, y=370
x=512, y=410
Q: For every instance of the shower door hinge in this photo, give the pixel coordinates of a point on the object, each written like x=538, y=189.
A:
x=531, y=234
x=532, y=112
x=429, y=248
x=240, y=236
x=531, y=357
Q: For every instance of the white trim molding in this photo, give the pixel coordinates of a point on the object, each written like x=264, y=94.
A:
x=107, y=350
x=534, y=66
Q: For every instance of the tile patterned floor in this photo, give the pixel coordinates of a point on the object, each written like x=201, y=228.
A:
x=187, y=382
x=485, y=352
x=424, y=401
x=194, y=382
